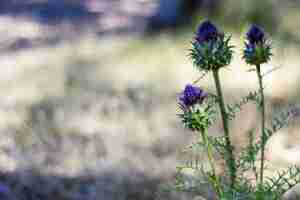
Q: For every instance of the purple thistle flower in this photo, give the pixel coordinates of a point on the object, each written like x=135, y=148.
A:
x=191, y=96
x=207, y=31
x=257, y=49
x=255, y=35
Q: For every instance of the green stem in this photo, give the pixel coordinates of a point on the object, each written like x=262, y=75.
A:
x=252, y=153
x=262, y=105
x=230, y=161
x=209, y=149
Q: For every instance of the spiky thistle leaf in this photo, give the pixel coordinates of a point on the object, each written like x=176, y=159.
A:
x=235, y=108
x=284, y=180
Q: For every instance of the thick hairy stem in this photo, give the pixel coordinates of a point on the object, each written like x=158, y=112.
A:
x=230, y=161
x=263, y=137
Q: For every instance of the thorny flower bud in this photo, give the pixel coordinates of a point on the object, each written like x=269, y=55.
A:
x=257, y=49
x=197, y=109
x=210, y=48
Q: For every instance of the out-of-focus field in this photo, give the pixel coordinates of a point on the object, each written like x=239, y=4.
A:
x=89, y=117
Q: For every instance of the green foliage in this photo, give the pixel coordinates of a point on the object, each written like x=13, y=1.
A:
x=248, y=156
x=278, y=122
x=281, y=120
x=284, y=180
x=235, y=108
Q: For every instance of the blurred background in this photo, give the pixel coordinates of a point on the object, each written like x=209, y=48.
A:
x=89, y=92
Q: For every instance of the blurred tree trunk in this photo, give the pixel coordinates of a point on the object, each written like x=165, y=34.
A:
x=174, y=12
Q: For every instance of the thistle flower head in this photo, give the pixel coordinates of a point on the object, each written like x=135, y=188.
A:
x=255, y=35
x=210, y=49
x=257, y=49
x=197, y=114
x=207, y=32
x=191, y=95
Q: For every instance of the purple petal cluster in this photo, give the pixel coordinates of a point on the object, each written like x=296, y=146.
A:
x=207, y=32
x=191, y=96
x=255, y=35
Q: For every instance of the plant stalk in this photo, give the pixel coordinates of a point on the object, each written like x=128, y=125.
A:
x=263, y=137
x=230, y=161
x=209, y=149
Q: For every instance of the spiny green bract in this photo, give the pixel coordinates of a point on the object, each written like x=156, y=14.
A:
x=258, y=54
x=213, y=54
x=257, y=49
x=198, y=117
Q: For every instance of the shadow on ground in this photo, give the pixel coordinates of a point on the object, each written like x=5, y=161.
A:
x=112, y=184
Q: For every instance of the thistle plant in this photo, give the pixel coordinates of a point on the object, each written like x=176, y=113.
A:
x=210, y=52
x=258, y=51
